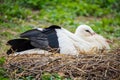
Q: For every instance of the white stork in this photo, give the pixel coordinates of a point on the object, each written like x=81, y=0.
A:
x=57, y=39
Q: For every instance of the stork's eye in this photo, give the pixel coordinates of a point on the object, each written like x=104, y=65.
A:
x=87, y=30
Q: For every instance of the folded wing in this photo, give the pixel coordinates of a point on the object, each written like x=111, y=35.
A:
x=37, y=38
x=18, y=45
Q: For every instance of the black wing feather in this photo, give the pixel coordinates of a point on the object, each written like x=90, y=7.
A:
x=37, y=38
x=52, y=36
x=31, y=33
x=18, y=45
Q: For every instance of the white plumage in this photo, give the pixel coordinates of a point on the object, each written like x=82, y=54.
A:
x=71, y=44
x=85, y=32
x=85, y=40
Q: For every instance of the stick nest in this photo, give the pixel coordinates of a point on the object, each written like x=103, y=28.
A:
x=83, y=67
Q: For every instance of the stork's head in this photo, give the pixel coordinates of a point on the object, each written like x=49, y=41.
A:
x=84, y=31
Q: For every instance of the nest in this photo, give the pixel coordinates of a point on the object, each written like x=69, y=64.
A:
x=83, y=67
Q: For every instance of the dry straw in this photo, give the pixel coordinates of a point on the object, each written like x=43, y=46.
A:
x=101, y=66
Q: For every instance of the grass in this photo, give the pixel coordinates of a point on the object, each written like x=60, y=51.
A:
x=19, y=16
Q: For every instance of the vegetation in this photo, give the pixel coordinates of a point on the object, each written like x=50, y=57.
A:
x=17, y=16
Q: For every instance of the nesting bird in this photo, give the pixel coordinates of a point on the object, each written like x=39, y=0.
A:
x=85, y=32
x=58, y=39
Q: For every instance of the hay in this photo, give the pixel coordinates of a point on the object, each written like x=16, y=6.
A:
x=82, y=67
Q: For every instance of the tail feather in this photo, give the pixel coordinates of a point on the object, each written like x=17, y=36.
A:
x=18, y=45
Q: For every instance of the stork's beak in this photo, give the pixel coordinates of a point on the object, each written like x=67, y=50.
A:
x=93, y=33
x=109, y=41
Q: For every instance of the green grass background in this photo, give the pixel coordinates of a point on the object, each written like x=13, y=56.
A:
x=17, y=16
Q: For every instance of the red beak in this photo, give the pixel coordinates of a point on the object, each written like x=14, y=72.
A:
x=109, y=41
x=93, y=34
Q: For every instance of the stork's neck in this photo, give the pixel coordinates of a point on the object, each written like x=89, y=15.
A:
x=78, y=34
